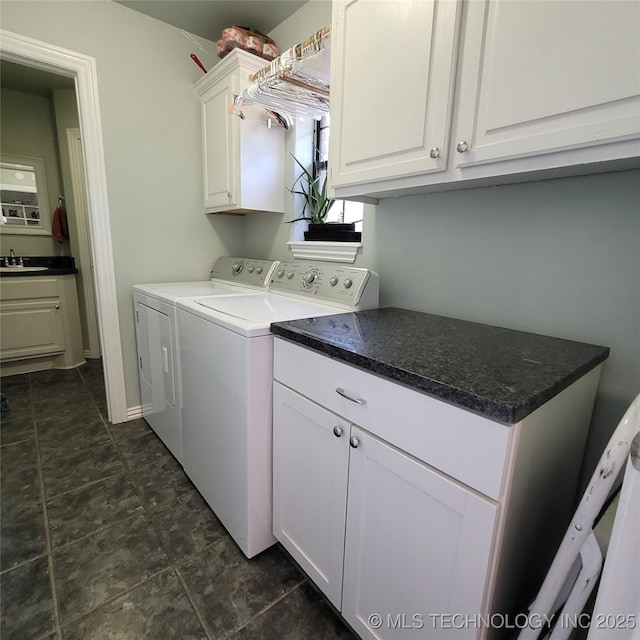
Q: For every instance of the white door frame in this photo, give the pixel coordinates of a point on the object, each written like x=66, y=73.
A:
x=85, y=259
x=41, y=55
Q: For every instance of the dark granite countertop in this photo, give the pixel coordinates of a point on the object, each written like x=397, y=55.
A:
x=499, y=373
x=56, y=266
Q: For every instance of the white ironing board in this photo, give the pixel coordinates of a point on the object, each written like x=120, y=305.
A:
x=579, y=543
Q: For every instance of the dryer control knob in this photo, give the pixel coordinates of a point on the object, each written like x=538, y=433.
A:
x=280, y=273
x=333, y=281
x=237, y=268
x=258, y=269
x=347, y=283
x=250, y=269
x=290, y=274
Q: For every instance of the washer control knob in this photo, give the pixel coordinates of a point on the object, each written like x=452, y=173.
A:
x=290, y=274
x=251, y=269
x=347, y=283
x=258, y=269
x=237, y=268
x=333, y=281
x=309, y=277
x=280, y=273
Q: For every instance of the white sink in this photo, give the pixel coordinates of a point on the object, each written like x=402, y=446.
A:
x=19, y=269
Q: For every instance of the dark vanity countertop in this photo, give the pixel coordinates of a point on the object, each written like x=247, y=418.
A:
x=56, y=266
x=499, y=373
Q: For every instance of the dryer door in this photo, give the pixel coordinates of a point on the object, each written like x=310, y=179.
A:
x=157, y=364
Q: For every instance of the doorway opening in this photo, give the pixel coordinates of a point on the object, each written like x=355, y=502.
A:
x=40, y=55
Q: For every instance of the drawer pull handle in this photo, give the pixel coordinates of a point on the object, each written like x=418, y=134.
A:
x=348, y=397
x=354, y=442
x=337, y=431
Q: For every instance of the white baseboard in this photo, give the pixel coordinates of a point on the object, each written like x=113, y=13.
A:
x=134, y=412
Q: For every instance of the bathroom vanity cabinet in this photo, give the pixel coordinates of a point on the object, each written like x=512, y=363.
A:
x=39, y=324
x=408, y=506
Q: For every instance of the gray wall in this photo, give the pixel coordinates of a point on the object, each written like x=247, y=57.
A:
x=558, y=258
x=28, y=128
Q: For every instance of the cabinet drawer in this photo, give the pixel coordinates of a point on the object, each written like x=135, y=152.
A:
x=461, y=444
x=29, y=288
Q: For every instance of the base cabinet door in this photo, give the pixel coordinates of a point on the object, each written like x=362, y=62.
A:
x=417, y=546
x=311, y=459
x=31, y=329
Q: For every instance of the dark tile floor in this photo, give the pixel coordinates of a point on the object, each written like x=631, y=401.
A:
x=103, y=535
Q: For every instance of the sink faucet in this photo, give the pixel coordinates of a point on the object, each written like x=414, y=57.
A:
x=12, y=257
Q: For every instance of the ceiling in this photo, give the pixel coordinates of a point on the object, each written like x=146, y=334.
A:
x=207, y=18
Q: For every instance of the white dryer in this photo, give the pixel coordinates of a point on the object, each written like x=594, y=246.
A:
x=226, y=350
x=158, y=341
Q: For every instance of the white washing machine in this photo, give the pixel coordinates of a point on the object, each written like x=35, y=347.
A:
x=157, y=338
x=226, y=351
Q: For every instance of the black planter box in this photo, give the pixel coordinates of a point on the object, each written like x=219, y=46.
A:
x=333, y=232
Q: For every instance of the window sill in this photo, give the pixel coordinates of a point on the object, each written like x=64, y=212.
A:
x=325, y=251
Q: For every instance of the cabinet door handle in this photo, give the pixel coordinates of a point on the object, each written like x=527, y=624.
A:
x=354, y=442
x=434, y=153
x=337, y=431
x=57, y=306
x=462, y=146
x=348, y=397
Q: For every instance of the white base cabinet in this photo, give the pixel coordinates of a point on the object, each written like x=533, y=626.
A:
x=487, y=92
x=415, y=518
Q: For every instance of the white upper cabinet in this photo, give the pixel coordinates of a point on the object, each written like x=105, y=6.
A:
x=542, y=77
x=243, y=159
x=383, y=124
x=483, y=92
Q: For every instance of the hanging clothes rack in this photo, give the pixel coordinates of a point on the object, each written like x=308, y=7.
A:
x=294, y=85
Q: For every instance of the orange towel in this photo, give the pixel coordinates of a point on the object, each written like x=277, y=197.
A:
x=59, y=224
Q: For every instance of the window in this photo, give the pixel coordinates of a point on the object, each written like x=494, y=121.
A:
x=342, y=210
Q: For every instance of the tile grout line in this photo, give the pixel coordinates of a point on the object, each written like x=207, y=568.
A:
x=125, y=472
x=203, y=622
x=173, y=561
x=268, y=607
x=23, y=563
x=47, y=533
x=86, y=614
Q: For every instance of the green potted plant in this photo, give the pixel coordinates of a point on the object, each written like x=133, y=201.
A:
x=316, y=207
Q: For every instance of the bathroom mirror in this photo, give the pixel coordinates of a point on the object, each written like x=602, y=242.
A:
x=23, y=192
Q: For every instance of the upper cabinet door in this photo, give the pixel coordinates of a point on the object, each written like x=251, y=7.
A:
x=541, y=77
x=220, y=144
x=392, y=76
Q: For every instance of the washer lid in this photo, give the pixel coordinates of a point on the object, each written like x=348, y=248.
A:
x=172, y=291
x=266, y=308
